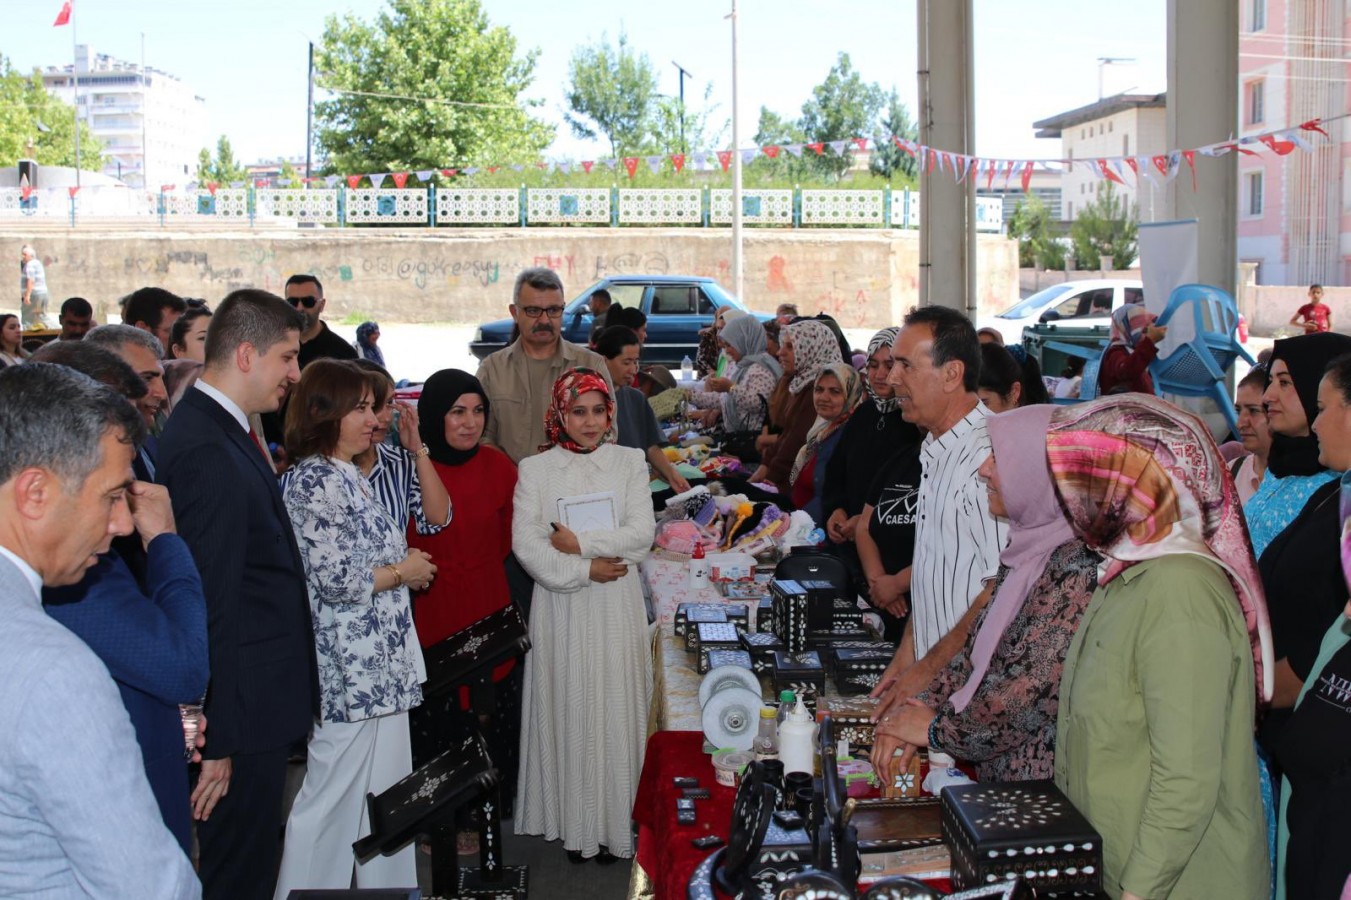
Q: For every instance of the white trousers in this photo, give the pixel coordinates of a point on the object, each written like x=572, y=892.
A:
x=346, y=760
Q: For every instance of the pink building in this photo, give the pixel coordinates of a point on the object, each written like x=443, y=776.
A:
x=1294, y=215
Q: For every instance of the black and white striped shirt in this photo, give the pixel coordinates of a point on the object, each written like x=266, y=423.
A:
x=957, y=540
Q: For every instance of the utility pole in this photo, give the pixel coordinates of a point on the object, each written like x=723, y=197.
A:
x=738, y=264
x=75, y=82
x=683, y=75
x=309, y=117
x=1107, y=61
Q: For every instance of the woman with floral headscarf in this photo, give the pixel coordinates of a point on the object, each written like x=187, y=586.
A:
x=1161, y=682
x=588, y=676
x=1132, y=347
x=807, y=348
x=834, y=398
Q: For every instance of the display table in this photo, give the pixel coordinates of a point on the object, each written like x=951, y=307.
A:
x=668, y=582
x=675, y=685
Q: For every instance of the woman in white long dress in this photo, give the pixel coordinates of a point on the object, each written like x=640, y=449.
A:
x=588, y=676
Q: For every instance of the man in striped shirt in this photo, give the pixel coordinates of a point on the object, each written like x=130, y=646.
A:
x=957, y=539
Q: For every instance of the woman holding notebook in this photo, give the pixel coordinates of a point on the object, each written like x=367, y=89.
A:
x=583, y=521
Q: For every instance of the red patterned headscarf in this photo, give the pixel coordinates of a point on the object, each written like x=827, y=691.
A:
x=1140, y=479
x=569, y=386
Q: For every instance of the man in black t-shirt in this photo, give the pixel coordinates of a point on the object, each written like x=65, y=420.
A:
x=306, y=294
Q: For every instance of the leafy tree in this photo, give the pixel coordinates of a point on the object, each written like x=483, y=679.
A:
x=31, y=115
x=1105, y=227
x=776, y=130
x=841, y=107
x=699, y=133
x=891, y=161
x=221, y=169
x=430, y=83
x=612, y=93
x=1038, y=244
x=288, y=176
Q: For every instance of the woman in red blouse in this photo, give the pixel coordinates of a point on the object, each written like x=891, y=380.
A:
x=474, y=546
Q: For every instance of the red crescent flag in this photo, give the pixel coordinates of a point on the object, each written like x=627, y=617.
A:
x=677, y=160
x=1190, y=157
x=1027, y=174
x=1280, y=147
x=400, y=178
x=771, y=150
x=725, y=158
x=587, y=164
x=1108, y=173
x=630, y=165
x=63, y=17
x=353, y=181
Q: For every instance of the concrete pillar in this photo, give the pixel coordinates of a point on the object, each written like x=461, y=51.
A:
x=1202, y=109
x=947, y=255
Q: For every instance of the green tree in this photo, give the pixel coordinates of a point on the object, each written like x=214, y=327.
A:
x=35, y=123
x=891, y=161
x=1105, y=227
x=223, y=168
x=1038, y=244
x=840, y=108
x=288, y=176
x=612, y=93
x=774, y=129
x=429, y=83
x=699, y=132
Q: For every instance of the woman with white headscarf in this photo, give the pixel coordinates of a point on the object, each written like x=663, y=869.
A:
x=740, y=398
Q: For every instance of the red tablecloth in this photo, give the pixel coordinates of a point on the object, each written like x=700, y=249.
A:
x=664, y=850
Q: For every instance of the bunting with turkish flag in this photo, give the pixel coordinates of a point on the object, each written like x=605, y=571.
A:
x=63, y=17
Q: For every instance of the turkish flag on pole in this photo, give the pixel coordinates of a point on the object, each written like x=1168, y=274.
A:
x=63, y=17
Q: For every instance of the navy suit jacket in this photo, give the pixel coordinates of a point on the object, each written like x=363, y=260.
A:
x=154, y=645
x=264, y=684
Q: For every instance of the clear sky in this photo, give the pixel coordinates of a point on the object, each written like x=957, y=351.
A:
x=1034, y=58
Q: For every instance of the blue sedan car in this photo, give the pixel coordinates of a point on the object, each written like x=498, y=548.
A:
x=677, y=307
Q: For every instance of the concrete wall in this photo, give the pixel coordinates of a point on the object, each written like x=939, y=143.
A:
x=1268, y=307
x=867, y=279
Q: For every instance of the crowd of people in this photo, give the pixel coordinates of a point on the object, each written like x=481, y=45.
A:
x=229, y=542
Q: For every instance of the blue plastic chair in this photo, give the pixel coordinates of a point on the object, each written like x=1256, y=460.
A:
x=1197, y=368
x=1088, y=383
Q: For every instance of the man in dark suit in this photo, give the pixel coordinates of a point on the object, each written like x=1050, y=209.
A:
x=264, y=690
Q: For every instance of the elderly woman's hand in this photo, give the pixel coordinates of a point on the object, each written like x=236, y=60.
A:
x=417, y=569
x=717, y=383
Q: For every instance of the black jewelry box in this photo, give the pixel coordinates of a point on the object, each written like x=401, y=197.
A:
x=764, y=616
x=761, y=647
x=857, y=670
x=829, y=654
x=711, y=658
x=799, y=672
x=695, y=612
x=1030, y=829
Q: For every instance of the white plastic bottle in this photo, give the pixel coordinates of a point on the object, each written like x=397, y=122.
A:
x=797, y=740
x=687, y=370
x=698, y=568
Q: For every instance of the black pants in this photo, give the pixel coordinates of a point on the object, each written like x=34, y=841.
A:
x=241, y=842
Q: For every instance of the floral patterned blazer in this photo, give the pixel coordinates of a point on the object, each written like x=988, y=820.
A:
x=370, y=663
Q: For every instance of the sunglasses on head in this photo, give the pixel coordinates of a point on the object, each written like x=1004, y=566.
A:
x=307, y=302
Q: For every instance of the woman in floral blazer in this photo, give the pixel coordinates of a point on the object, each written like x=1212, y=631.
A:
x=358, y=569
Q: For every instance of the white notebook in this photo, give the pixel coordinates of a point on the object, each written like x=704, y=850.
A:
x=589, y=512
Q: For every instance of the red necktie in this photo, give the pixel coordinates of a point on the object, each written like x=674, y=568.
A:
x=253, y=436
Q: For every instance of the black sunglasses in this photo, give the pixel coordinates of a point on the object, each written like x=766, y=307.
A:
x=309, y=302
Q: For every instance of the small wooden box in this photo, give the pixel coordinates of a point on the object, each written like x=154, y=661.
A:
x=852, y=717
x=695, y=612
x=761, y=647
x=705, y=636
x=799, y=672
x=1030, y=829
x=857, y=671
x=711, y=658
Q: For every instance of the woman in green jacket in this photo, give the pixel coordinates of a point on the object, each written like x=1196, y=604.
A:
x=1160, y=686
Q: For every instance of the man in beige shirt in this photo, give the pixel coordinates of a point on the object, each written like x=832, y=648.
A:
x=520, y=377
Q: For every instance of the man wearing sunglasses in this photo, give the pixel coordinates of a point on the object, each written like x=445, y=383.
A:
x=306, y=294
x=519, y=378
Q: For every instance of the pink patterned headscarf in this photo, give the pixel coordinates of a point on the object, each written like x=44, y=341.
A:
x=1141, y=479
x=1129, y=323
x=1038, y=527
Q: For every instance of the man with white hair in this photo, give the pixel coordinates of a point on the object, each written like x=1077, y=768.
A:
x=32, y=289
